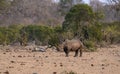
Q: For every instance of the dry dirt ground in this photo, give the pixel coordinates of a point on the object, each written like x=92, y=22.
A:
x=19, y=61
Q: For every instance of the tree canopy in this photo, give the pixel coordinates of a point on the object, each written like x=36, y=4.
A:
x=78, y=14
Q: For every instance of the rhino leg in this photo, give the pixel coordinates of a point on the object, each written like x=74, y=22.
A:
x=80, y=52
x=66, y=51
x=76, y=53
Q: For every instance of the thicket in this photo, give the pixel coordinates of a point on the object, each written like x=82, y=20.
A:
x=104, y=32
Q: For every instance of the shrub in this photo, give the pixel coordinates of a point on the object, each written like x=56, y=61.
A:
x=90, y=45
x=111, y=32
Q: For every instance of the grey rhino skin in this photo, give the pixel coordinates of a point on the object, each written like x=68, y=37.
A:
x=72, y=45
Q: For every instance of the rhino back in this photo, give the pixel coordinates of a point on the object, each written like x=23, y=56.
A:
x=72, y=44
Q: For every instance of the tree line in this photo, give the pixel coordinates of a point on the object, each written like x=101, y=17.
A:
x=47, y=12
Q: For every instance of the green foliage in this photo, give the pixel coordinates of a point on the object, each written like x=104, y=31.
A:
x=83, y=23
x=111, y=32
x=15, y=30
x=4, y=4
x=39, y=33
x=9, y=34
x=76, y=15
x=92, y=34
x=80, y=20
x=54, y=40
x=90, y=45
x=56, y=37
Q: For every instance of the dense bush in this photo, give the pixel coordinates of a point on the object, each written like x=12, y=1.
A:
x=111, y=32
x=92, y=35
x=9, y=34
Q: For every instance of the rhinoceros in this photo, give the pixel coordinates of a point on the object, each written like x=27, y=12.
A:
x=72, y=45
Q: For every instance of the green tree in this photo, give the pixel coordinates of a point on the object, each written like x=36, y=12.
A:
x=83, y=22
x=77, y=17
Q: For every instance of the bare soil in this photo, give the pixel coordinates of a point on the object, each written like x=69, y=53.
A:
x=15, y=60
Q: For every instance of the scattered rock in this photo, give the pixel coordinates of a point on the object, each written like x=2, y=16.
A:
x=92, y=58
x=54, y=72
x=7, y=72
x=37, y=60
x=92, y=64
x=103, y=68
x=55, y=65
x=46, y=56
x=61, y=64
x=22, y=64
x=29, y=56
x=117, y=65
x=103, y=65
x=4, y=53
x=20, y=56
x=13, y=56
x=11, y=67
x=12, y=61
x=118, y=60
x=35, y=73
x=8, y=50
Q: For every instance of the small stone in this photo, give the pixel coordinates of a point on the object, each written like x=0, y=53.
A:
x=22, y=64
x=6, y=72
x=37, y=60
x=46, y=56
x=91, y=57
x=103, y=68
x=12, y=61
x=4, y=53
x=54, y=72
x=55, y=65
x=61, y=64
x=11, y=67
x=92, y=65
x=103, y=65
x=19, y=56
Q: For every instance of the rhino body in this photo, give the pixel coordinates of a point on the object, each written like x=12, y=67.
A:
x=72, y=45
